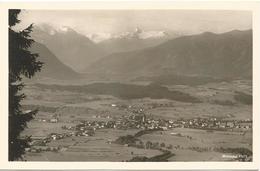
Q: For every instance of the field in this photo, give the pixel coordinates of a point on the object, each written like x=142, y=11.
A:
x=200, y=147
x=94, y=148
x=72, y=106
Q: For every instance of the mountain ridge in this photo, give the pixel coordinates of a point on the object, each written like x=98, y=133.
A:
x=207, y=54
x=52, y=66
x=71, y=47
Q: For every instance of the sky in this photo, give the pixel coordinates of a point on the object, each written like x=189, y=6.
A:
x=118, y=21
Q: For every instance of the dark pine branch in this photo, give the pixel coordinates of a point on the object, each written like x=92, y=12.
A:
x=21, y=63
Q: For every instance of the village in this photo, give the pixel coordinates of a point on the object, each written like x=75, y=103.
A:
x=139, y=120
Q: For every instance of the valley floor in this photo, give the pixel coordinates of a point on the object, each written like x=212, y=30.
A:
x=84, y=126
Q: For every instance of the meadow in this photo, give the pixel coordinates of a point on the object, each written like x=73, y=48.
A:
x=72, y=104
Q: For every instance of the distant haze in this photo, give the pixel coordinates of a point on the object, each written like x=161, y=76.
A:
x=118, y=21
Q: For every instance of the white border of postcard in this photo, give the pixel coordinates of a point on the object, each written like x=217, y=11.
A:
x=205, y=5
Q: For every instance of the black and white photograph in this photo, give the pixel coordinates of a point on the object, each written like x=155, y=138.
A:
x=130, y=85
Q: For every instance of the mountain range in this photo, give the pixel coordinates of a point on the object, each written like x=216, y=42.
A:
x=138, y=39
x=72, y=48
x=139, y=53
x=208, y=54
x=78, y=51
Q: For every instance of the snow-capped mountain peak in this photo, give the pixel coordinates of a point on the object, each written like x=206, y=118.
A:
x=51, y=30
x=137, y=33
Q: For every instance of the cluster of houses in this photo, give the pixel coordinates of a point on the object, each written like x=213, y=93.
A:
x=214, y=123
x=141, y=121
x=126, y=122
x=148, y=106
x=38, y=149
x=39, y=144
x=135, y=121
x=102, y=116
x=52, y=120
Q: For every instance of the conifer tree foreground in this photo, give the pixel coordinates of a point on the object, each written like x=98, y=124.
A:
x=21, y=63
